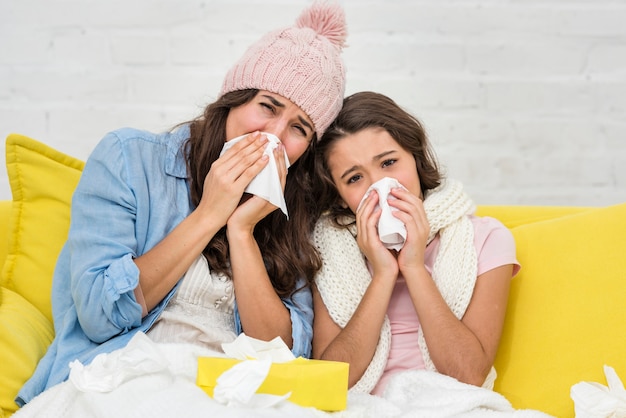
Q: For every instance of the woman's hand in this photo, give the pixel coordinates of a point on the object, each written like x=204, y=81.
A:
x=410, y=210
x=230, y=175
x=382, y=260
x=255, y=208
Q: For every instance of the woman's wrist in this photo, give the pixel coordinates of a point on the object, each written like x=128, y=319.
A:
x=239, y=233
x=204, y=223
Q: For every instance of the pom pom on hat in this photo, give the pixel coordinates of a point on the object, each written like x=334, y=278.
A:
x=301, y=63
x=327, y=20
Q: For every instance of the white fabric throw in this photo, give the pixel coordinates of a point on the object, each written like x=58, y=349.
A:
x=171, y=392
x=422, y=393
x=344, y=277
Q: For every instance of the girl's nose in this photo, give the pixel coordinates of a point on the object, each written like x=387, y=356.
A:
x=375, y=177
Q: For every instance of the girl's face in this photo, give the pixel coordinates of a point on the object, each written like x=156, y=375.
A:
x=271, y=112
x=357, y=161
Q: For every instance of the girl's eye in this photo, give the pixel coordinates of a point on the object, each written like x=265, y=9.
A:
x=387, y=163
x=354, y=179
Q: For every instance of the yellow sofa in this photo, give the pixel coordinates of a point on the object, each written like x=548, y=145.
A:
x=565, y=318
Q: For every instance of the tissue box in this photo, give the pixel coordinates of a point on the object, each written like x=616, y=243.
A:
x=318, y=383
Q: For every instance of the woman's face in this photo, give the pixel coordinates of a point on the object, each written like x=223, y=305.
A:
x=357, y=161
x=271, y=112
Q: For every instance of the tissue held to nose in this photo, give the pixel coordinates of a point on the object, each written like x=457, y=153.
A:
x=391, y=230
x=266, y=184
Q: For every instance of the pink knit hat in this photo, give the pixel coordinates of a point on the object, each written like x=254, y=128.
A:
x=301, y=63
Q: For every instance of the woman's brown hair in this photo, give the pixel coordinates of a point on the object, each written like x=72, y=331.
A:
x=285, y=244
x=372, y=110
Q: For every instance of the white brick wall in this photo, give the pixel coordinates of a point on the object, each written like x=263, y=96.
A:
x=525, y=101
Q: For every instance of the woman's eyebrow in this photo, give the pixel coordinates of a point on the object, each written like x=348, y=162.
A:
x=305, y=123
x=278, y=103
x=274, y=100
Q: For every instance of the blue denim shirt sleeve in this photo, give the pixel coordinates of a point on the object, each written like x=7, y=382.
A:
x=300, y=307
x=102, y=243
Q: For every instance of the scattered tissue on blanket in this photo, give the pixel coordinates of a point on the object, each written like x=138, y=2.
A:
x=266, y=184
x=108, y=371
x=593, y=400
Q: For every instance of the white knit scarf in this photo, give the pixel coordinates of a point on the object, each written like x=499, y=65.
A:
x=344, y=276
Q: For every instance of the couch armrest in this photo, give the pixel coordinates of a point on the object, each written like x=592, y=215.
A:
x=5, y=210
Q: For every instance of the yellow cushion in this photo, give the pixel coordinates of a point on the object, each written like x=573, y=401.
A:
x=42, y=182
x=25, y=334
x=5, y=210
x=566, y=315
x=516, y=215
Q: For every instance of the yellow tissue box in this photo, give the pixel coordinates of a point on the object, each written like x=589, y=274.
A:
x=318, y=383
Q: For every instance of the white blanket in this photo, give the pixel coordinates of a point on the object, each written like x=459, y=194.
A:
x=162, y=384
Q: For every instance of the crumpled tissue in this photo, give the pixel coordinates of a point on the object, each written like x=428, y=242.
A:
x=266, y=184
x=245, y=347
x=237, y=386
x=108, y=371
x=391, y=230
x=593, y=400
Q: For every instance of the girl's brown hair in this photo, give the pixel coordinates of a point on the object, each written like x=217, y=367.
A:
x=285, y=244
x=372, y=110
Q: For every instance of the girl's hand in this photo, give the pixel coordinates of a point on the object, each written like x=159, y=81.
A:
x=410, y=210
x=250, y=212
x=230, y=175
x=382, y=260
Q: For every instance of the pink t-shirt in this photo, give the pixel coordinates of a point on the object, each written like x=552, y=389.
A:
x=495, y=247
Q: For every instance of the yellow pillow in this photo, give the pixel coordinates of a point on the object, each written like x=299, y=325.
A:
x=566, y=315
x=25, y=335
x=42, y=182
x=517, y=215
x=5, y=210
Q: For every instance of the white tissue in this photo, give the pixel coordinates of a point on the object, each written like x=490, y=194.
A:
x=391, y=230
x=244, y=348
x=108, y=371
x=266, y=184
x=237, y=385
x=593, y=400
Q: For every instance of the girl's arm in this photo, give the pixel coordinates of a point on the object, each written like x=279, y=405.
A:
x=464, y=349
x=356, y=343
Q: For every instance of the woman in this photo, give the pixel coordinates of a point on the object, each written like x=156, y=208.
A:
x=151, y=209
x=437, y=301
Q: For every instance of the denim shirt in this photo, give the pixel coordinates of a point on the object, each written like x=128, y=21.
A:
x=132, y=193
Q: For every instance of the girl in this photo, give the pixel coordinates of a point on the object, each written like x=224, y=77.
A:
x=437, y=303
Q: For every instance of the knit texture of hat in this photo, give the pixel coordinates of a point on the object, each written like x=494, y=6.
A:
x=301, y=63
